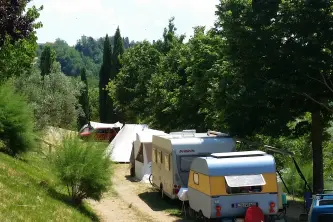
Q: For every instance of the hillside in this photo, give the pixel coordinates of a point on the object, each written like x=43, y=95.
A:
x=30, y=192
x=88, y=53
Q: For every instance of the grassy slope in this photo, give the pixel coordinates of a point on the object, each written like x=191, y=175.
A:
x=24, y=197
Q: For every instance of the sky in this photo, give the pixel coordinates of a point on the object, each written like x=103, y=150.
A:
x=137, y=19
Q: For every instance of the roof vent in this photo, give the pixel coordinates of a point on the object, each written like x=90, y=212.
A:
x=238, y=154
x=217, y=134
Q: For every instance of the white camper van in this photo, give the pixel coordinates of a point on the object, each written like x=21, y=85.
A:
x=172, y=156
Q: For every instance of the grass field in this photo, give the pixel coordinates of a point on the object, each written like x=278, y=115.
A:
x=29, y=191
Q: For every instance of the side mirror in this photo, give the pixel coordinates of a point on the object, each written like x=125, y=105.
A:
x=303, y=217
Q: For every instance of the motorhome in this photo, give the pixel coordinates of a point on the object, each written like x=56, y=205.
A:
x=172, y=156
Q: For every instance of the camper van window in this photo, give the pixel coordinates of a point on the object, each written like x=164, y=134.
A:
x=185, y=163
x=244, y=183
x=196, y=178
x=139, y=157
x=154, y=155
x=167, y=162
x=159, y=153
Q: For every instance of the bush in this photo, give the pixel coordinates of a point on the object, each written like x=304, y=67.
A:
x=83, y=167
x=295, y=181
x=16, y=122
x=54, y=98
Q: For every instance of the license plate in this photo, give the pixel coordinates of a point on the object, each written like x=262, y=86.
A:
x=245, y=204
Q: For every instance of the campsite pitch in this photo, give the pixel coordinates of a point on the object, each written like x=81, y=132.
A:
x=134, y=201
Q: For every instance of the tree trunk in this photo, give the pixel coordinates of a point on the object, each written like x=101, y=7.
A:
x=317, y=151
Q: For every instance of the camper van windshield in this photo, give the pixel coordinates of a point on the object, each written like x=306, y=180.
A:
x=185, y=163
x=245, y=180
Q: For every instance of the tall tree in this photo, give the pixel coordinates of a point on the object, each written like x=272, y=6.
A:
x=84, y=118
x=47, y=60
x=104, y=77
x=279, y=59
x=118, y=50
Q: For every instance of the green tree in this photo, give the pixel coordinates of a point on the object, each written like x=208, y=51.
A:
x=84, y=117
x=118, y=50
x=17, y=37
x=16, y=21
x=54, y=98
x=129, y=90
x=104, y=77
x=47, y=60
x=279, y=64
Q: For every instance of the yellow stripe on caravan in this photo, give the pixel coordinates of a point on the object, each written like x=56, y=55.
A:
x=217, y=185
x=271, y=183
x=203, y=185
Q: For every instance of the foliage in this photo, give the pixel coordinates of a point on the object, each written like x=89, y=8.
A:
x=83, y=167
x=84, y=117
x=17, y=58
x=30, y=182
x=129, y=89
x=54, y=98
x=294, y=182
x=47, y=60
x=104, y=77
x=278, y=69
x=94, y=103
x=16, y=121
x=118, y=50
x=16, y=22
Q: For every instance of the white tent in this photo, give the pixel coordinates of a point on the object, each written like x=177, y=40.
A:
x=142, y=151
x=121, y=146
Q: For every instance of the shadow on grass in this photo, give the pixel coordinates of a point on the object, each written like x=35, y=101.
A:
x=153, y=200
x=82, y=208
x=132, y=179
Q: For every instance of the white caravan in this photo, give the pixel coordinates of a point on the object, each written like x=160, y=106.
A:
x=173, y=154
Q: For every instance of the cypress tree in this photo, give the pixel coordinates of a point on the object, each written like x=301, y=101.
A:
x=84, y=101
x=118, y=50
x=47, y=60
x=104, y=76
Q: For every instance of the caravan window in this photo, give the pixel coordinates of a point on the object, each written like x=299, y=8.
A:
x=244, y=183
x=167, y=161
x=154, y=155
x=196, y=178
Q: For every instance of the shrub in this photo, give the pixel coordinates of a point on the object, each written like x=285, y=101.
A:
x=293, y=180
x=83, y=167
x=16, y=121
x=54, y=98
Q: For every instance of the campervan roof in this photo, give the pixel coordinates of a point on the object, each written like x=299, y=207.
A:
x=238, y=154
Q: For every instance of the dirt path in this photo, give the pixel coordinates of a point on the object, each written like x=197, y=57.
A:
x=133, y=201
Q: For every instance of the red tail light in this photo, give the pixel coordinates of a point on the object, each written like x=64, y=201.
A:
x=176, y=189
x=271, y=207
x=218, y=211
